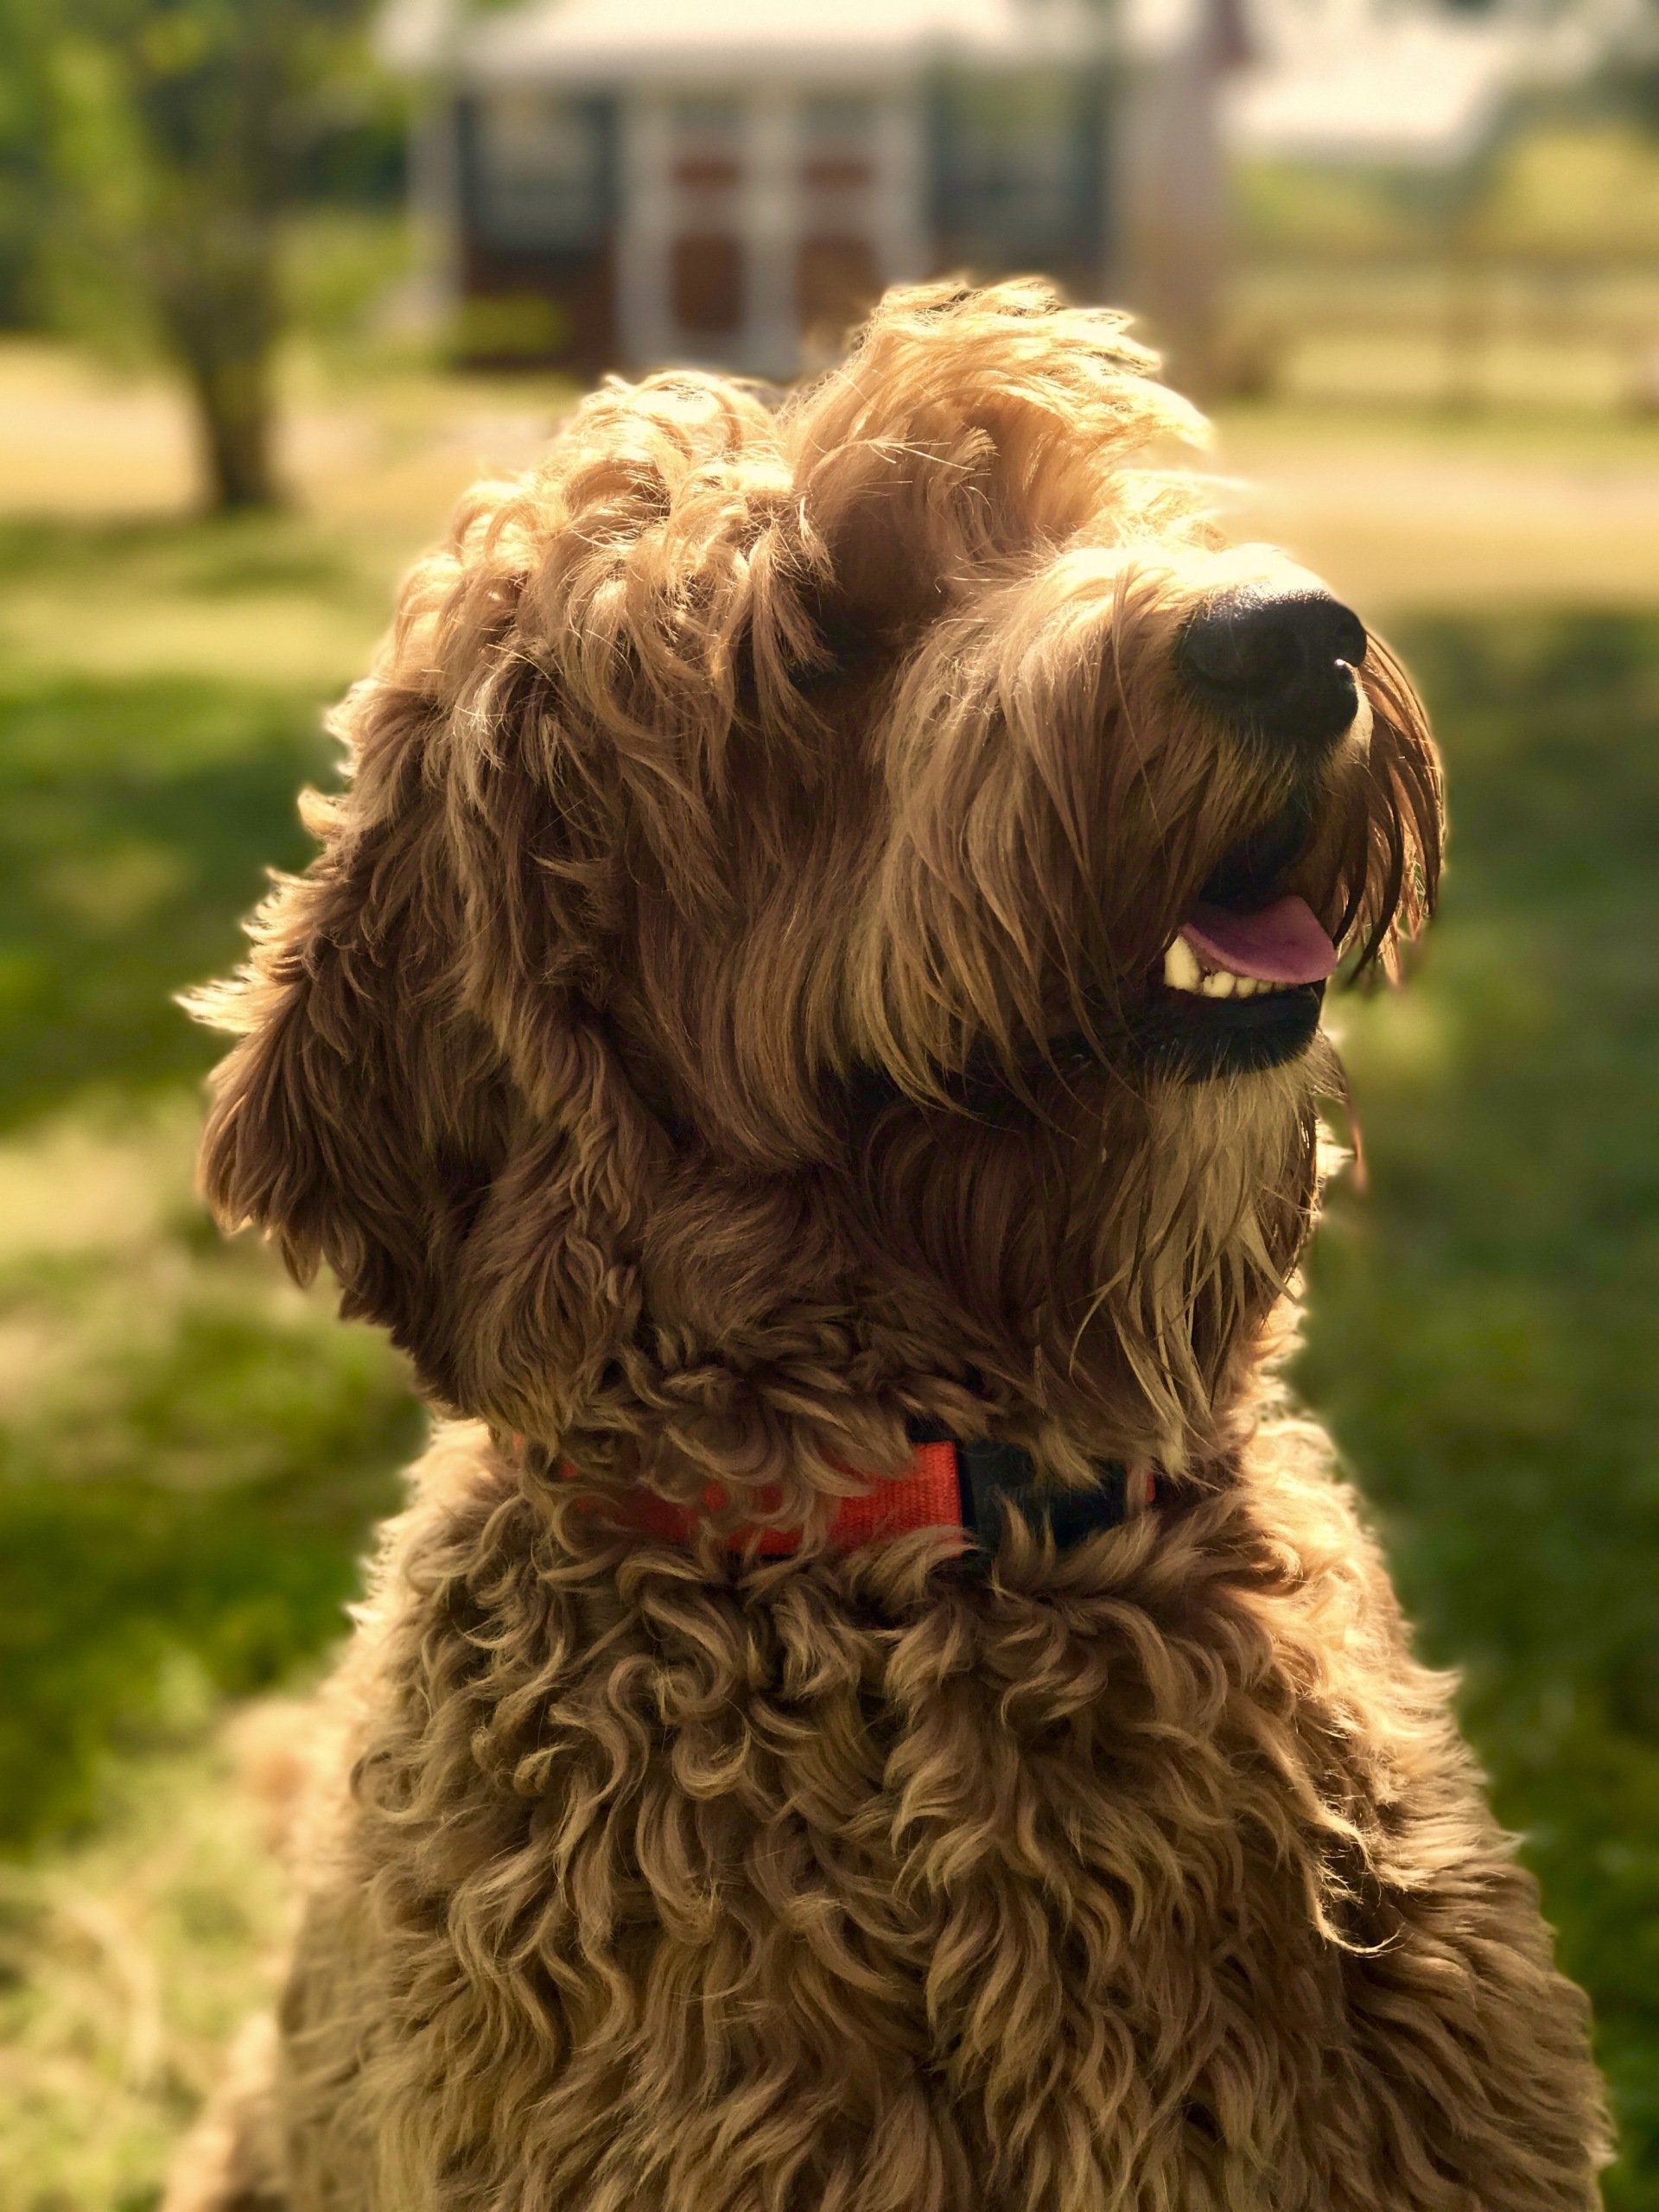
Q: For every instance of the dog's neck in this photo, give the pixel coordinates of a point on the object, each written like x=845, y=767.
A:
x=1107, y=1292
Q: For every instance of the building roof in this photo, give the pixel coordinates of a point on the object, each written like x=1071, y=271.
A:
x=692, y=42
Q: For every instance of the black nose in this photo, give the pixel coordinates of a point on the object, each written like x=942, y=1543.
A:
x=1283, y=664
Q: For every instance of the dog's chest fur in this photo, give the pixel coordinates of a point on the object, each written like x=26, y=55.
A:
x=861, y=1885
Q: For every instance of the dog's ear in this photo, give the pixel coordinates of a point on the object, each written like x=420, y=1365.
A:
x=430, y=1094
x=968, y=425
x=424, y=1097
x=360, y=1113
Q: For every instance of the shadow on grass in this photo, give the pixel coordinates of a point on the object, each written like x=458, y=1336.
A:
x=114, y=1578
x=191, y=1456
x=136, y=821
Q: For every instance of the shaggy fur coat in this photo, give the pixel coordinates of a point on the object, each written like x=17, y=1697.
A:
x=723, y=1022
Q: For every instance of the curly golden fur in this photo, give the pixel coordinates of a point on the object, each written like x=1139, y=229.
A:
x=711, y=1034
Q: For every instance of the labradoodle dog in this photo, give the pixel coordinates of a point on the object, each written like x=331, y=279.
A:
x=804, y=1026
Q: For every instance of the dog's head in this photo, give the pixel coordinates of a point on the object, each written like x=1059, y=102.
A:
x=833, y=901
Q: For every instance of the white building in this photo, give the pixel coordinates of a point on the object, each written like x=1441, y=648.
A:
x=631, y=181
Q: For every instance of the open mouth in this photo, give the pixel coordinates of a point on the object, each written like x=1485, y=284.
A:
x=1241, y=987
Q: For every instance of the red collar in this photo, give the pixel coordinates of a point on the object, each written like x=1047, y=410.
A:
x=948, y=1484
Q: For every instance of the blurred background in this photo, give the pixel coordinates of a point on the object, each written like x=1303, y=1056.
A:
x=278, y=278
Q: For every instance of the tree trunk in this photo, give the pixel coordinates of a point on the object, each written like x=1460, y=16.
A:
x=218, y=290
x=235, y=426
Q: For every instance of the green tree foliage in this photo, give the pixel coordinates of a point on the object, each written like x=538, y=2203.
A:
x=24, y=155
x=181, y=134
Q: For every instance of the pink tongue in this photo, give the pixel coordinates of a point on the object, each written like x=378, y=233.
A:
x=1283, y=943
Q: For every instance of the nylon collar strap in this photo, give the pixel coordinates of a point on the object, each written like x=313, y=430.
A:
x=948, y=1484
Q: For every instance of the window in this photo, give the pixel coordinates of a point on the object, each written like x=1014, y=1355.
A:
x=706, y=279
x=837, y=281
x=837, y=140
x=543, y=165
x=708, y=140
x=1017, y=165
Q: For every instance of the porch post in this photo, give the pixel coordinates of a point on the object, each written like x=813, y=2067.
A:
x=643, y=232
x=770, y=222
x=905, y=247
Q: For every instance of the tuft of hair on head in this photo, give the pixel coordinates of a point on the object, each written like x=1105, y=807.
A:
x=968, y=424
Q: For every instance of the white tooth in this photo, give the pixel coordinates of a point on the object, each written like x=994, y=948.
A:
x=1217, y=986
x=1181, y=967
x=1359, y=730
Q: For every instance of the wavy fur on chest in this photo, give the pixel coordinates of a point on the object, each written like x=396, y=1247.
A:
x=864, y=1885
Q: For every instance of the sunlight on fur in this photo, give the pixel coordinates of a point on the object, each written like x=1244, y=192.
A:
x=825, y=928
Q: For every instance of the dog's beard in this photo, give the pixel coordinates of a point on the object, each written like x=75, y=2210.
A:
x=1203, y=1238
x=1115, y=1257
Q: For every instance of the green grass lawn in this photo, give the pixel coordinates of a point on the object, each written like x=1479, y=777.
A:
x=1483, y=1325
x=192, y=1451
